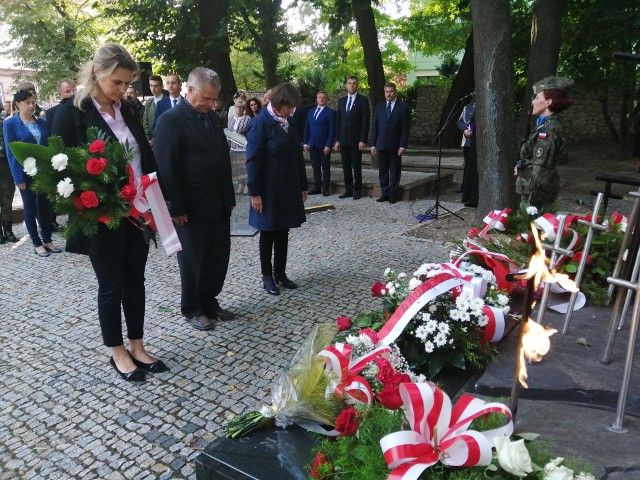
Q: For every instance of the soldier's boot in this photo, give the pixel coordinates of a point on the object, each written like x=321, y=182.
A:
x=8, y=233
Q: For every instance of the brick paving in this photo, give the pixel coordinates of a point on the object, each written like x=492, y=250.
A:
x=64, y=412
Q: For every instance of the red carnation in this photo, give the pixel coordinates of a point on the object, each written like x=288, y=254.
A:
x=347, y=422
x=128, y=193
x=89, y=199
x=369, y=333
x=97, y=146
x=578, y=256
x=321, y=460
x=378, y=289
x=343, y=323
x=386, y=370
x=96, y=166
x=473, y=232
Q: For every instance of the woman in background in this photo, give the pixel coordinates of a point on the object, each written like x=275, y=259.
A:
x=118, y=256
x=277, y=183
x=26, y=127
x=254, y=107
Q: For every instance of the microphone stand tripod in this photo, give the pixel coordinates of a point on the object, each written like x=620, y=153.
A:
x=433, y=212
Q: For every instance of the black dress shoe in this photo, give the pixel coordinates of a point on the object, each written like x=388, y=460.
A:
x=43, y=254
x=156, y=367
x=470, y=205
x=222, y=314
x=136, y=375
x=53, y=250
x=392, y=200
x=325, y=194
x=269, y=285
x=285, y=282
x=357, y=196
x=382, y=198
x=346, y=195
x=315, y=191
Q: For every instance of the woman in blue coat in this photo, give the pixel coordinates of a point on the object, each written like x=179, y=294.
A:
x=26, y=127
x=277, y=182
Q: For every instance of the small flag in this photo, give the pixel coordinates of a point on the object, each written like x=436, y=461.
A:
x=542, y=135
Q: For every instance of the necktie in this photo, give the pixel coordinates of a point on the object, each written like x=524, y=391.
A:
x=318, y=110
x=388, y=109
x=175, y=102
x=349, y=103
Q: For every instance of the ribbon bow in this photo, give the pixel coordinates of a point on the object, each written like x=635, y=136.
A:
x=495, y=219
x=439, y=433
x=350, y=386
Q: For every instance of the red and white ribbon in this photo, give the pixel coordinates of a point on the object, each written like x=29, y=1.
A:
x=439, y=433
x=496, y=219
x=494, y=330
x=418, y=298
x=617, y=218
x=350, y=386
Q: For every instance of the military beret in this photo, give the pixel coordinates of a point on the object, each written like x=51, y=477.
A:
x=548, y=83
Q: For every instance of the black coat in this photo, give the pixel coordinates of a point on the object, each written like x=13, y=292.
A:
x=276, y=172
x=352, y=127
x=390, y=133
x=194, y=165
x=71, y=123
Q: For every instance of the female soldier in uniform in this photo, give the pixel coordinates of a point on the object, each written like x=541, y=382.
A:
x=538, y=181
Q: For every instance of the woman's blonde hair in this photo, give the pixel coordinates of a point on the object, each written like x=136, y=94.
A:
x=106, y=59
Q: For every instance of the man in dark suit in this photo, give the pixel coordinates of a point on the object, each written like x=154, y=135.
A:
x=319, y=132
x=66, y=90
x=352, y=130
x=389, y=138
x=194, y=169
x=174, y=87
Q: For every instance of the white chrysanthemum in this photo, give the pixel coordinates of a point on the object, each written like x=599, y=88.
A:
x=59, y=161
x=506, y=309
x=502, y=299
x=65, y=187
x=440, y=339
x=477, y=304
x=532, y=210
x=444, y=327
x=483, y=320
x=402, y=275
x=414, y=283
x=387, y=272
x=465, y=316
x=391, y=290
x=421, y=332
x=433, y=308
x=454, y=314
x=30, y=166
x=428, y=347
x=462, y=303
x=426, y=316
x=365, y=341
x=431, y=326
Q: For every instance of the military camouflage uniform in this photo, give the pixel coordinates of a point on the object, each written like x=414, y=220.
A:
x=7, y=187
x=538, y=181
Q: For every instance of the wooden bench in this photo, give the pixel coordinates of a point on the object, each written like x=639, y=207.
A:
x=610, y=179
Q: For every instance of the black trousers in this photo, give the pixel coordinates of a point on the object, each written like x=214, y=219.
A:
x=7, y=190
x=389, y=171
x=203, y=263
x=121, y=285
x=274, y=242
x=321, y=165
x=352, y=168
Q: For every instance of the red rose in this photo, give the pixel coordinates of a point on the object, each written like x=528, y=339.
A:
x=378, y=289
x=128, y=193
x=321, y=460
x=89, y=199
x=347, y=422
x=370, y=333
x=343, y=323
x=97, y=146
x=389, y=397
x=96, y=166
x=578, y=256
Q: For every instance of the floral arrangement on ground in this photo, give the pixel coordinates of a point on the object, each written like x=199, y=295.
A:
x=92, y=183
x=503, y=245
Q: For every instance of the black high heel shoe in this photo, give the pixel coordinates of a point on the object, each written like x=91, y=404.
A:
x=285, y=282
x=156, y=367
x=136, y=375
x=269, y=285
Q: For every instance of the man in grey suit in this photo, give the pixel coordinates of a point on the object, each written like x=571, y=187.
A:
x=352, y=132
x=155, y=85
x=194, y=168
x=389, y=138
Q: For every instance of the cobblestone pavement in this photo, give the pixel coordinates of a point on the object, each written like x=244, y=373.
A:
x=64, y=413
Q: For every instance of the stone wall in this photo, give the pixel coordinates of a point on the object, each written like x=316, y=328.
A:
x=583, y=121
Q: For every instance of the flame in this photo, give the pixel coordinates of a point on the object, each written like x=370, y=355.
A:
x=539, y=271
x=535, y=344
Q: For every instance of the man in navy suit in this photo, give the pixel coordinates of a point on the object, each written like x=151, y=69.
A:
x=174, y=87
x=352, y=130
x=194, y=169
x=319, y=132
x=389, y=138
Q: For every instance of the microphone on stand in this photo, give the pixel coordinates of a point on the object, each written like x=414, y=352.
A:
x=469, y=95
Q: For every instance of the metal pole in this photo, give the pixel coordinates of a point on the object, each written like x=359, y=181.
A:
x=626, y=241
x=515, y=386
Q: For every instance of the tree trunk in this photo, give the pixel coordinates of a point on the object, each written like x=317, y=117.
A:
x=604, y=108
x=214, y=17
x=462, y=85
x=496, y=141
x=363, y=13
x=270, y=12
x=546, y=28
